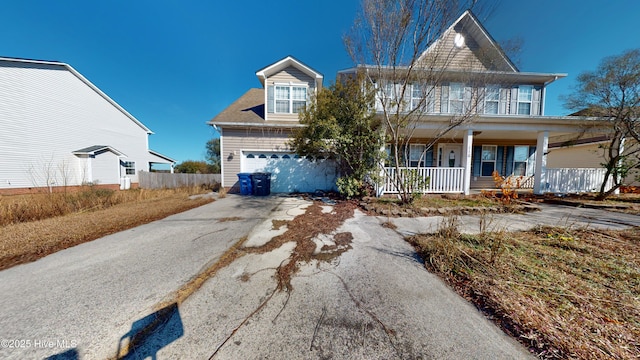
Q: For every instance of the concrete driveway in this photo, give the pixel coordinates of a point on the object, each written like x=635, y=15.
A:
x=84, y=299
x=375, y=301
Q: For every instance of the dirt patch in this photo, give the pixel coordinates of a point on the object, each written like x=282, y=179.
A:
x=277, y=224
x=227, y=219
x=302, y=230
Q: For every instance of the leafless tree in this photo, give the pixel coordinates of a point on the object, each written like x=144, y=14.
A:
x=392, y=38
x=612, y=92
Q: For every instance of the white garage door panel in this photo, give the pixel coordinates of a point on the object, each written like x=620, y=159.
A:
x=290, y=173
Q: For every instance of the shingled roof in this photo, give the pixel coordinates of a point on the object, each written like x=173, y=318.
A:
x=248, y=110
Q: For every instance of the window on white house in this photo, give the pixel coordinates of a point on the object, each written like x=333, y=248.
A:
x=525, y=96
x=459, y=98
x=129, y=167
x=290, y=99
x=488, y=164
x=492, y=99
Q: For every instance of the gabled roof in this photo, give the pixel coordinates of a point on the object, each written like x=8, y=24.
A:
x=280, y=65
x=92, y=150
x=83, y=79
x=468, y=23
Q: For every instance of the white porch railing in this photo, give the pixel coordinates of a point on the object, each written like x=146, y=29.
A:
x=575, y=180
x=438, y=180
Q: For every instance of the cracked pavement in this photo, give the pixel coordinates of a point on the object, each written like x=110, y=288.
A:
x=374, y=301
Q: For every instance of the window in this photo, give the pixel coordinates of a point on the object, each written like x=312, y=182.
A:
x=388, y=96
x=488, y=164
x=520, y=156
x=525, y=95
x=422, y=97
x=416, y=157
x=129, y=167
x=290, y=99
x=492, y=99
x=459, y=98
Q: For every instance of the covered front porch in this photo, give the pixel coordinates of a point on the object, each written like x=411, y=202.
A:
x=467, y=157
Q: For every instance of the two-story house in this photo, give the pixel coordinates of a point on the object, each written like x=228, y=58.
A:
x=255, y=129
x=59, y=130
x=504, y=128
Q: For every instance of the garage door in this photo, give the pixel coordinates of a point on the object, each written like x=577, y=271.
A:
x=290, y=172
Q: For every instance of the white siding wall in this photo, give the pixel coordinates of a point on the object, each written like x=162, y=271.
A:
x=46, y=112
x=105, y=168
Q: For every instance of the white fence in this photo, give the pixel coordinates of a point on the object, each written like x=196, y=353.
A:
x=426, y=180
x=575, y=180
x=153, y=180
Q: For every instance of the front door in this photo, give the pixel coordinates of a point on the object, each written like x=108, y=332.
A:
x=450, y=155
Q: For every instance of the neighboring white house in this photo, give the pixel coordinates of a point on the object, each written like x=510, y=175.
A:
x=59, y=129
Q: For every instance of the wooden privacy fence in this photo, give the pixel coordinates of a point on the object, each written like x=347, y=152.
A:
x=575, y=180
x=152, y=180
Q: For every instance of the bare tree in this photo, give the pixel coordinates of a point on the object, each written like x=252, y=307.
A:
x=407, y=59
x=612, y=92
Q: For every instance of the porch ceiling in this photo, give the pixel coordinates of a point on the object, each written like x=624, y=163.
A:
x=483, y=135
x=507, y=128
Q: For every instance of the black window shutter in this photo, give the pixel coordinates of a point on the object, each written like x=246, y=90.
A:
x=477, y=159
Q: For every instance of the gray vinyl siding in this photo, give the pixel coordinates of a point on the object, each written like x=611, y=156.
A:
x=235, y=141
x=291, y=75
x=46, y=113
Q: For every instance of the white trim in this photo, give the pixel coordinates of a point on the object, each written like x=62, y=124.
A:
x=222, y=156
x=264, y=73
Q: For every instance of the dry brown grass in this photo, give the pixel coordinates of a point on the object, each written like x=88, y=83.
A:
x=26, y=241
x=564, y=294
x=23, y=208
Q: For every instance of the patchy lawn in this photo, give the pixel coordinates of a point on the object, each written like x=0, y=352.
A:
x=34, y=226
x=564, y=294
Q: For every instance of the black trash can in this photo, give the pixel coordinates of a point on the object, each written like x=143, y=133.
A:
x=261, y=183
x=245, y=183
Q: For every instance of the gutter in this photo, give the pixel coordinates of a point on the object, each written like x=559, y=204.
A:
x=259, y=125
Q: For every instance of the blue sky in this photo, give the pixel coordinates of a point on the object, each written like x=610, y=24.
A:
x=176, y=64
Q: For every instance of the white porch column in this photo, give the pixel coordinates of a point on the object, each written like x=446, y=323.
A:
x=540, y=175
x=467, y=150
x=618, y=178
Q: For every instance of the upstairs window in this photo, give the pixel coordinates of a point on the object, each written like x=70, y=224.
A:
x=459, y=98
x=387, y=96
x=422, y=97
x=290, y=99
x=525, y=96
x=492, y=99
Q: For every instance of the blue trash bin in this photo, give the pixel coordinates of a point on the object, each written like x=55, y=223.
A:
x=261, y=183
x=245, y=183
